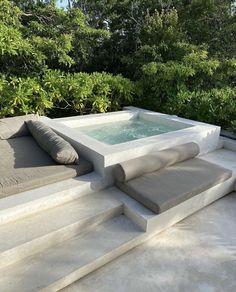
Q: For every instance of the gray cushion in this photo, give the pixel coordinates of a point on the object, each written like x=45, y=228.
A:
x=156, y=160
x=168, y=187
x=60, y=150
x=15, y=127
x=24, y=166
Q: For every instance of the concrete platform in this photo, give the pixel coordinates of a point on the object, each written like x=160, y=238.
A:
x=24, y=204
x=20, y=239
x=54, y=236
x=196, y=254
x=59, y=266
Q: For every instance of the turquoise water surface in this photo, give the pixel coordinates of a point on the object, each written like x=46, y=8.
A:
x=124, y=131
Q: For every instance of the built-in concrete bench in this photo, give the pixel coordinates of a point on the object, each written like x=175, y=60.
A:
x=167, y=178
x=24, y=165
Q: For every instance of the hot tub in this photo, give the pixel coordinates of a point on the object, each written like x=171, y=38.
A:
x=113, y=133
x=110, y=138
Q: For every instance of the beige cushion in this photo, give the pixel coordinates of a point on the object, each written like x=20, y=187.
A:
x=15, y=127
x=168, y=187
x=59, y=149
x=24, y=166
x=145, y=164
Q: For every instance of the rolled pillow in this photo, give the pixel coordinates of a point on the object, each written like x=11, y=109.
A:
x=145, y=164
x=60, y=150
x=15, y=127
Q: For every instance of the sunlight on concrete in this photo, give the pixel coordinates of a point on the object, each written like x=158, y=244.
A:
x=197, y=254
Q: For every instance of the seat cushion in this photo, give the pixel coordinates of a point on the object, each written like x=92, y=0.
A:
x=15, y=127
x=59, y=149
x=168, y=187
x=24, y=166
x=156, y=160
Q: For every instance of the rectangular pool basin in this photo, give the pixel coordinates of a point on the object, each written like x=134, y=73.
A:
x=123, y=131
x=110, y=138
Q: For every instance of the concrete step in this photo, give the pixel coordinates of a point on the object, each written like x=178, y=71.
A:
x=61, y=265
x=133, y=209
x=24, y=204
x=44, y=229
x=229, y=144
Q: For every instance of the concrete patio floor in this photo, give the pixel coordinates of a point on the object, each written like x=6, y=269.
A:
x=197, y=254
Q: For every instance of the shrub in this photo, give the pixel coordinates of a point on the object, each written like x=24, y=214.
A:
x=215, y=106
x=195, y=87
x=22, y=95
x=233, y=126
x=71, y=92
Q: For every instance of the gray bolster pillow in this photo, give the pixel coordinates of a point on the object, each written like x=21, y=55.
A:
x=60, y=150
x=138, y=166
x=15, y=127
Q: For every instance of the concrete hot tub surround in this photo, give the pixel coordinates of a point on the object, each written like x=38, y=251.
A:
x=104, y=156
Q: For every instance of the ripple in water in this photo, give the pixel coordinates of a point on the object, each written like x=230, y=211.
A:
x=124, y=131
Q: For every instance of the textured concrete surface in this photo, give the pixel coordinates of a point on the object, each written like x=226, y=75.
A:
x=197, y=254
x=55, y=225
x=224, y=157
x=63, y=264
x=16, y=207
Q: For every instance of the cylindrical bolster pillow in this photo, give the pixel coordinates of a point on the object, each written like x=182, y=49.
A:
x=59, y=149
x=138, y=166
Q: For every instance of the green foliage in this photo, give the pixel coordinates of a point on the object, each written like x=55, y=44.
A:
x=212, y=22
x=83, y=92
x=21, y=96
x=180, y=56
x=10, y=14
x=233, y=126
x=41, y=36
x=181, y=78
x=41, y=49
x=215, y=106
x=58, y=91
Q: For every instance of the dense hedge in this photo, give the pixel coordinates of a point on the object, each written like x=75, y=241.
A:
x=57, y=93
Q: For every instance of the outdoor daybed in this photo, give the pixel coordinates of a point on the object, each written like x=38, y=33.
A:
x=164, y=179
x=24, y=165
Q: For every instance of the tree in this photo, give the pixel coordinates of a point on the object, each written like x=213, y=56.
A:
x=42, y=36
x=178, y=77
x=180, y=56
x=44, y=47
x=212, y=22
